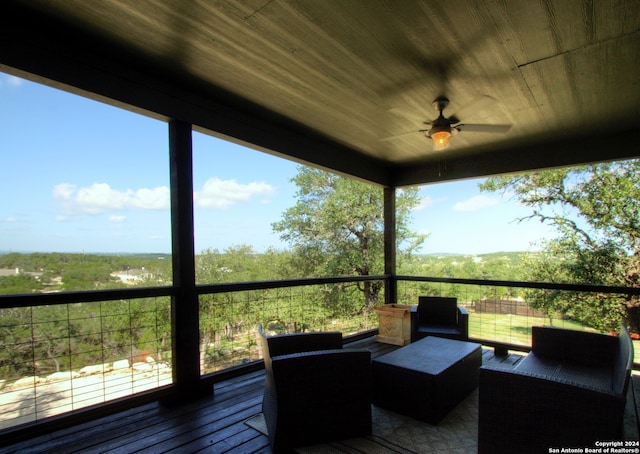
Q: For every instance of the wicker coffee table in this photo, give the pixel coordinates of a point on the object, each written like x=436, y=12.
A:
x=426, y=379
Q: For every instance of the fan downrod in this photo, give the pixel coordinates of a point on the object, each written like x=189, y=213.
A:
x=441, y=103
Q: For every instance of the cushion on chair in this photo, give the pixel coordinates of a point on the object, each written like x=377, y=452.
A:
x=572, y=345
x=438, y=310
x=438, y=330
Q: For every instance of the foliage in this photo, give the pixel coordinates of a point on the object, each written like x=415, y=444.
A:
x=74, y=272
x=498, y=265
x=224, y=315
x=42, y=340
x=595, y=210
x=46, y=339
x=19, y=284
x=510, y=329
x=336, y=227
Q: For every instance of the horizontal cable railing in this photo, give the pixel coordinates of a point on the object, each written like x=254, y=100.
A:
x=501, y=313
x=61, y=357
x=229, y=314
x=524, y=284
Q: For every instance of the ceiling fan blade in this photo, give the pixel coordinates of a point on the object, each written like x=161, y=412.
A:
x=478, y=104
x=484, y=128
x=399, y=136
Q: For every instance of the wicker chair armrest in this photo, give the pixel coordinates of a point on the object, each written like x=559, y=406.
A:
x=415, y=322
x=623, y=361
x=463, y=322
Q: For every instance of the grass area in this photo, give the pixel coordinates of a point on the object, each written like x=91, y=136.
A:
x=516, y=329
x=512, y=329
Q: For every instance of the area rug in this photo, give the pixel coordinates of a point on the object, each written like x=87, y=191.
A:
x=395, y=433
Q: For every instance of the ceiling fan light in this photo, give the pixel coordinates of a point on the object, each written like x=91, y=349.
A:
x=440, y=139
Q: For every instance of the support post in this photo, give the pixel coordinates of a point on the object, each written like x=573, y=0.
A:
x=391, y=289
x=184, y=303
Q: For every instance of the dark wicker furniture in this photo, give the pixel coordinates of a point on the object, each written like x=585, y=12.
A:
x=569, y=391
x=439, y=316
x=314, y=391
x=426, y=379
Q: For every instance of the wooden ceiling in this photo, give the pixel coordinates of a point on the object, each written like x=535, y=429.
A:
x=328, y=82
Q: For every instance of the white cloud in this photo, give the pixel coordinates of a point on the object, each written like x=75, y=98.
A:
x=63, y=191
x=14, y=81
x=152, y=199
x=11, y=81
x=476, y=203
x=219, y=194
x=425, y=202
x=10, y=219
x=101, y=197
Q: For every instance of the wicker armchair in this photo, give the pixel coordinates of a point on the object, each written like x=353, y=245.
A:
x=314, y=390
x=439, y=316
x=570, y=390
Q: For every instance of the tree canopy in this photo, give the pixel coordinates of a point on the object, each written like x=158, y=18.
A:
x=336, y=227
x=595, y=210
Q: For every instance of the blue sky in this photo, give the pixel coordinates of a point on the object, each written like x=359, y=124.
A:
x=80, y=175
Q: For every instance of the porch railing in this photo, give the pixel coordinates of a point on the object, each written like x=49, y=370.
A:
x=80, y=349
x=64, y=352
x=502, y=313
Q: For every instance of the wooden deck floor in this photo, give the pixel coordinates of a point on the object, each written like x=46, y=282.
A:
x=214, y=424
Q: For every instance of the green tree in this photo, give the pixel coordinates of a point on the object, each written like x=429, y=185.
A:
x=336, y=227
x=224, y=315
x=595, y=210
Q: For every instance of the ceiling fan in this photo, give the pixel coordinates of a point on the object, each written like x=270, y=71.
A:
x=442, y=128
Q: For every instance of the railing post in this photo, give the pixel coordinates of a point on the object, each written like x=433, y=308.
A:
x=391, y=286
x=184, y=303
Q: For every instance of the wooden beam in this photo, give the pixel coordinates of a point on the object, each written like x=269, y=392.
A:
x=523, y=157
x=390, y=288
x=185, y=304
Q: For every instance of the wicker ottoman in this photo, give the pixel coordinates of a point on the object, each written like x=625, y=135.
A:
x=426, y=379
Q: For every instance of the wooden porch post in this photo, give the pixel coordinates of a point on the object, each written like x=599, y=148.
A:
x=184, y=304
x=391, y=289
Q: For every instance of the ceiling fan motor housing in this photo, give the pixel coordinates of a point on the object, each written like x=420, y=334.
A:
x=440, y=124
